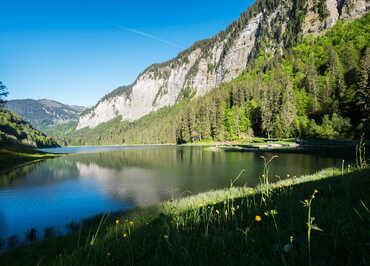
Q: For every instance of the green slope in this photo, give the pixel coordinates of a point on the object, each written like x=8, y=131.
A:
x=15, y=130
x=51, y=117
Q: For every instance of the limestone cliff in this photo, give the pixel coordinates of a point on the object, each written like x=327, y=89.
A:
x=267, y=26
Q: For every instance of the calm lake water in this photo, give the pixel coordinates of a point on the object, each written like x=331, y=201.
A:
x=93, y=180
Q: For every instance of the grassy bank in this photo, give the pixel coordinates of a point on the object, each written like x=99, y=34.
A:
x=12, y=156
x=266, y=225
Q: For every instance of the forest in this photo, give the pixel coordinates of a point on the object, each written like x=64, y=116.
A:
x=319, y=88
x=15, y=130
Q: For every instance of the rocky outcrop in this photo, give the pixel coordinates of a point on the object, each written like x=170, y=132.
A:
x=210, y=62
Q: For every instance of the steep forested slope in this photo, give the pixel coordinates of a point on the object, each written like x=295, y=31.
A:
x=15, y=130
x=319, y=87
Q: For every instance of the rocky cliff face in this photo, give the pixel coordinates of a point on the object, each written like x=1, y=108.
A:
x=267, y=26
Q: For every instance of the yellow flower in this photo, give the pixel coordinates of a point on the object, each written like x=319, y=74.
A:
x=258, y=218
x=288, y=175
x=291, y=239
x=108, y=254
x=214, y=203
x=201, y=205
x=263, y=175
x=316, y=191
x=117, y=221
x=124, y=235
x=131, y=223
x=217, y=211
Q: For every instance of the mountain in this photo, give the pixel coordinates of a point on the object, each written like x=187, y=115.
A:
x=317, y=88
x=267, y=26
x=45, y=114
x=15, y=130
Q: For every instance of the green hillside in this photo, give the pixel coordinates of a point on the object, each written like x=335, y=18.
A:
x=318, y=88
x=51, y=117
x=15, y=130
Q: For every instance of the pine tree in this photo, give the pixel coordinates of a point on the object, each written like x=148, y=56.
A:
x=363, y=94
x=3, y=93
x=310, y=83
x=288, y=109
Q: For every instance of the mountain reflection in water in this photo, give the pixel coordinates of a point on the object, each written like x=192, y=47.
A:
x=77, y=186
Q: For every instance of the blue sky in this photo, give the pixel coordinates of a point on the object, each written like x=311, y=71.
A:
x=78, y=51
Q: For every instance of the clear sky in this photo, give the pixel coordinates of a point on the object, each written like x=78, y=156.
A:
x=76, y=51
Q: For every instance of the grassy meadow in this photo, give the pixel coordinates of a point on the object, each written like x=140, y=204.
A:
x=321, y=219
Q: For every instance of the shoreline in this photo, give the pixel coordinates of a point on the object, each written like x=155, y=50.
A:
x=14, y=157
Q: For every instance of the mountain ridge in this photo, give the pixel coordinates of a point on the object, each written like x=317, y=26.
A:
x=267, y=26
x=316, y=89
x=43, y=114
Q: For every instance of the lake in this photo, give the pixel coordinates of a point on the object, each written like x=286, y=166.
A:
x=92, y=180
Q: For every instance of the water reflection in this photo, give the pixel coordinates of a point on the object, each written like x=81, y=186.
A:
x=55, y=192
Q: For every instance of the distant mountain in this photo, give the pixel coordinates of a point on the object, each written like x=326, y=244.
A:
x=15, y=130
x=46, y=114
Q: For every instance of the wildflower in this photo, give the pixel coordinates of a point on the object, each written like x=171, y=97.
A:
x=263, y=176
x=117, y=221
x=108, y=254
x=217, y=211
x=258, y=218
x=291, y=239
x=305, y=203
x=131, y=223
x=288, y=175
x=124, y=235
x=214, y=203
x=273, y=212
x=295, y=176
x=201, y=205
x=316, y=191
